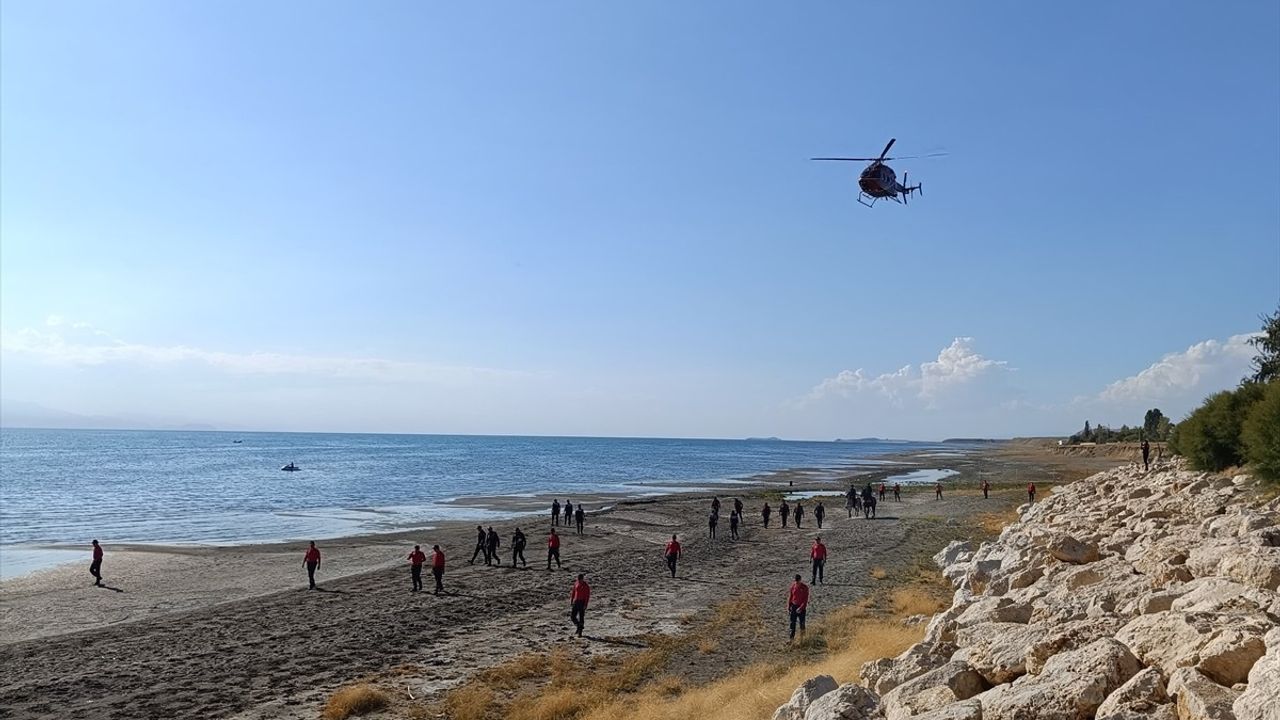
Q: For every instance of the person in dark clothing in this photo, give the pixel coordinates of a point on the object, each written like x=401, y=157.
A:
x=937, y=491
x=482, y=545
x=851, y=501
x=312, y=560
x=578, y=516
x=491, y=543
x=95, y=566
x=1031, y=492
x=553, y=548
x=799, y=513
x=579, y=596
x=897, y=492
x=1146, y=455
x=986, y=490
x=437, y=567
x=715, y=505
x=555, y=512
x=737, y=506
x=797, y=605
x=518, y=542
x=818, y=513
x=416, y=558
x=733, y=524
x=765, y=513
x=568, y=513
x=712, y=520
x=785, y=511
x=672, y=553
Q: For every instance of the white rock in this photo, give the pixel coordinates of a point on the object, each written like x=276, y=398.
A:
x=933, y=690
x=998, y=651
x=1199, y=698
x=847, y=702
x=1072, y=686
x=1261, y=699
x=1070, y=550
x=964, y=710
x=1143, y=693
x=803, y=697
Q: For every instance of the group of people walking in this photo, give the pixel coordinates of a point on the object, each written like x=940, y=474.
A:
x=572, y=516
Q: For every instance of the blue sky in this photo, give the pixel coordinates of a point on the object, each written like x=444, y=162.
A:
x=599, y=218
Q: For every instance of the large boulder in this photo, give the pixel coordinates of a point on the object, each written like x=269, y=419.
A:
x=847, y=702
x=1261, y=700
x=970, y=709
x=1070, y=550
x=994, y=610
x=1072, y=686
x=933, y=690
x=998, y=651
x=1061, y=637
x=1143, y=696
x=803, y=697
x=1223, y=645
x=1199, y=698
x=886, y=674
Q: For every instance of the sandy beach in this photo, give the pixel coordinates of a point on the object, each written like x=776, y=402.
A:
x=233, y=631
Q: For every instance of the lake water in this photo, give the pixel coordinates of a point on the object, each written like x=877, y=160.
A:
x=68, y=486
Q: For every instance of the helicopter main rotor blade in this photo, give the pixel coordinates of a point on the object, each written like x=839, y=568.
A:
x=885, y=151
x=844, y=158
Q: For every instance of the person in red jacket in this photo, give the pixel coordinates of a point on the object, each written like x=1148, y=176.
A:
x=818, y=554
x=673, y=554
x=312, y=561
x=797, y=604
x=416, y=558
x=1031, y=492
x=553, y=548
x=578, y=599
x=95, y=567
x=437, y=567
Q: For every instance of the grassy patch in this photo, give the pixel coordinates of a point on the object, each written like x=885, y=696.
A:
x=879, y=573
x=354, y=700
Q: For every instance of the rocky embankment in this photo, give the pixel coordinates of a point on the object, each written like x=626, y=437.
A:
x=1122, y=596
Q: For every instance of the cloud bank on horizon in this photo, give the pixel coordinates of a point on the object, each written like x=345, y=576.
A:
x=961, y=392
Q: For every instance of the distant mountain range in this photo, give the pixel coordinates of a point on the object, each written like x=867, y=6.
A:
x=19, y=413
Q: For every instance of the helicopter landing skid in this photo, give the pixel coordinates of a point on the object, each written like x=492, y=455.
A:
x=863, y=198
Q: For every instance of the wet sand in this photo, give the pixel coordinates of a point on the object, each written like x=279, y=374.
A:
x=233, y=632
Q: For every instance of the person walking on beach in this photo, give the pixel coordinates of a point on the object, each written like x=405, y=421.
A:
x=818, y=554
x=818, y=513
x=312, y=560
x=851, y=501
x=1031, y=492
x=1146, y=455
x=986, y=490
x=553, y=548
x=733, y=524
x=568, y=512
x=799, y=513
x=715, y=505
x=437, y=567
x=482, y=545
x=518, y=542
x=797, y=605
x=765, y=513
x=897, y=492
x=555, y=512
x=416, y=558
x=784, y=510
x=737, y=506
x=672, y=553
x=937, y=491
x=95, y=566
x=712, y=520
x=578, y=516
x=881, y=492
x=491, y=543
x=579, y=596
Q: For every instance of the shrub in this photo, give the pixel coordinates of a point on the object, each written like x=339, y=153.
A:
x=1210, y=436
x=354, y=700
x=1261, y=433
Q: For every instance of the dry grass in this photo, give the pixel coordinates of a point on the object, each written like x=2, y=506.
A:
x=993, y=523
x=917, y=600
x=879, y=573
x=354, y=700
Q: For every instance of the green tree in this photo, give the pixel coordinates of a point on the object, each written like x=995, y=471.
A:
x=1151, y=423
x=1210, y=436
x=1261, y=433
x=1266, y=364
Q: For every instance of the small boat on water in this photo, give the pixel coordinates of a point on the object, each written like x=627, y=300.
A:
x=291, y=468
x=237, y=442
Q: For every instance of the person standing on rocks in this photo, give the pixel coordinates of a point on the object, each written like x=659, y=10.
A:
x=555, y=512
x=1031, y=492
x=553, y=549
x=1146, y=455
x=819, y=513
x=95, y=566
x=482, y=545
x=799, y=513
x=579, y=516
x=818, y=554
x=518, y=541
x=491, y=543
x=312, y=560
x=672, y=554
x=733, y=524
x=784, y=510
x=579, y=596
x=437, y=567
x=797, y=605
x=765, y=513
x=416, y=558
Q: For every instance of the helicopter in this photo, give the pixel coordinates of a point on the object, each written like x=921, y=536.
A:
x=879, y=181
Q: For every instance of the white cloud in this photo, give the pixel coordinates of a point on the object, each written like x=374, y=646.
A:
x=55, y=347
x=1205, y=363
x=957, y=365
